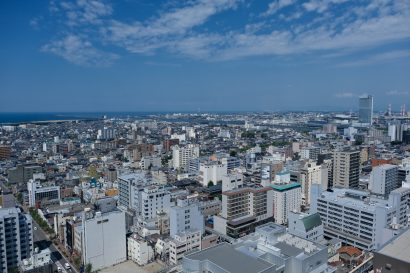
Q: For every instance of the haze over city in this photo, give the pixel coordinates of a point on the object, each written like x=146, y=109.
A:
x=73, y=56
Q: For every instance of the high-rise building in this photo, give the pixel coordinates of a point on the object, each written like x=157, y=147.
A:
x=22, y=173
x=16, y=238
x=286, y=198
x=103, y=238
x=182, y=154
x=383, y=179
x=346, y=168
x=366, y=109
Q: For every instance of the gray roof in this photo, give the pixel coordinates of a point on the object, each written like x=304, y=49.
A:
x=398, y=247
x=231, y=260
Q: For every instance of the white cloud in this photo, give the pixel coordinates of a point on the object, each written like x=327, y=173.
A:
x=79, y=51
x=276, y=5
x=345, y=95
x=180, y=29
x=379, y=58
x=397, y=93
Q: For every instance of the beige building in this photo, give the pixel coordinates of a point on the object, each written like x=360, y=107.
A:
x=346, y=168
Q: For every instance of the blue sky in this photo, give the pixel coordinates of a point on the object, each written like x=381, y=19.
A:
x=215, y=55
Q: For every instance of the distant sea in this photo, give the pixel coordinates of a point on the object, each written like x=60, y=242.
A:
x=15, y=118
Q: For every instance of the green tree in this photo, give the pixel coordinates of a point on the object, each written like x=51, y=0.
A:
x=88, y=268
x=210, y=183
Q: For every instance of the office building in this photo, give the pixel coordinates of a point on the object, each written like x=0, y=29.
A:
x=21, y=174
x=269, y=249
x=383, y=179
x=103, y=238
x=184, y=216
x=16, y=238
x=346, y=168
x=243, y=209
x=232, y=181
x=359, y=218
x=211, y=171
x=366, y=110
x=182, y=154
x=39, y=195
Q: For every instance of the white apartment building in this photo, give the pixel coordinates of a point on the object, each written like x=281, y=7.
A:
x=182, y=154
x=186, y=215
x=187, y=241
x=243, y=209
x=308, y=226
x=287, y=198
x=148, y=162
x=103, y=238
x=129, y=186
x=359, y=218
x=16, y=238
x=152, y=201
x=231, y=181
x=138, y=250
x=38, y=194
x=310, y=174
x=383, y=179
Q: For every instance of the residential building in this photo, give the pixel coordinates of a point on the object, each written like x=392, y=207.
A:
x=187, y=241
x=129, y=186
x=186, y=215
x=16, y=238
x=153, y=200
x=346, y=168
x=286, y=198
x=232, y=181
x=139, y=250
x=243, y=209
x=383, y=179
x=182, y=154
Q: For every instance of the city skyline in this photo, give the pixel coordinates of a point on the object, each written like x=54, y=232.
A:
x=229, y=55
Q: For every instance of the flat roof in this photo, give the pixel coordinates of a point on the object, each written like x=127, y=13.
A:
x=231, y=260
x=398, y=247
x=285, y=187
